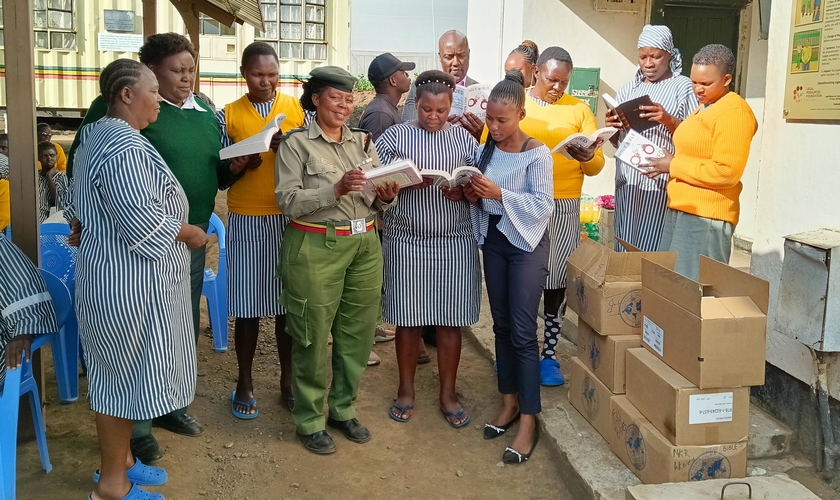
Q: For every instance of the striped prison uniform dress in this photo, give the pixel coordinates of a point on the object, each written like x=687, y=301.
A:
x=432, y=274
x=62, y=190
x=25, y=304
x=132, y=277
x=640, y=202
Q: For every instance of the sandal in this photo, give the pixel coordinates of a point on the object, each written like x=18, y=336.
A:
x=402, y=410
x=239, y=414
x=141, y=474
x=456, y=416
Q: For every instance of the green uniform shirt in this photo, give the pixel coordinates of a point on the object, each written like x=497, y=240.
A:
x=307, y=167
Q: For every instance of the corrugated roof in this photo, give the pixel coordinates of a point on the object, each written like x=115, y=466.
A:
x=244, y=10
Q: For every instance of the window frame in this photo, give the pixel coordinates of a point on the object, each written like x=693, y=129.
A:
x=303, y=42
x=50, y=31
x=202, y=18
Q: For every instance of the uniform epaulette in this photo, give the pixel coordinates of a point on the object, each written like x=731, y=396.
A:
x=368, y=136
x=293, y=131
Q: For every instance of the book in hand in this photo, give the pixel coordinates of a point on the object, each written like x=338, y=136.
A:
x=403, y=172
x=629, y=112
x=584, y=140
x=635, y=150
x=472, y=99
x=259, y=143
x=459, y=177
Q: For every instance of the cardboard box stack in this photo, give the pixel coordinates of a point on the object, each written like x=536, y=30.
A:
x=606, y=228
x=686, y=413
x=604, y=289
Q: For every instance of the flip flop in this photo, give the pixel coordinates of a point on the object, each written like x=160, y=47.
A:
x=239, y=414
x=289, y=401
x=401, y=409
x=456, y=416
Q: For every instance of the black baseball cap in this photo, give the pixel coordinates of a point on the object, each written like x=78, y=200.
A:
x=385, y=65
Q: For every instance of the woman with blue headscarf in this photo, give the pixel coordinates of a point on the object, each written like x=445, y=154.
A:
x=640, y=202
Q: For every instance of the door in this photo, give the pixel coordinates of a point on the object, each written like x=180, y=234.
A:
x=698, y=23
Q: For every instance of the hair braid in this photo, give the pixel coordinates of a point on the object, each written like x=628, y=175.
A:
x=529, y=50
x=511, y=91
x=113, y=80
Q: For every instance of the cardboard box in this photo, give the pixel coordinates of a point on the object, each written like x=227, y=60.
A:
x=684, y=414
x=605, y=289
x=590, y=397
x=605, y=355
x=713, y=333
x=655, y=460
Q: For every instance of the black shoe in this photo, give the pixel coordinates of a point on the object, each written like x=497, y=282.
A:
x=429, y=335
x=146, y=449
x=182, y=424
x=319, y=443
x=492, y=432
x=512, y=456
x=352, y=429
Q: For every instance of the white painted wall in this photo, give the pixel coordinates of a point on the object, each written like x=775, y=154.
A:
x=404, y=25
x=798, y=184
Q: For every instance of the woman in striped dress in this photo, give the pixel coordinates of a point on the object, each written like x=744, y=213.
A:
x=640, y=201
x=132, y=281
x=511, y=206
x=552, y=115
x=255, y=225
x=431, y=258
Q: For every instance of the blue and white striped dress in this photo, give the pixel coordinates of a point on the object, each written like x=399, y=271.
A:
x=132, y=277
x=432, y=274
x=640, y=202
x=25, y=305
x=527, y=183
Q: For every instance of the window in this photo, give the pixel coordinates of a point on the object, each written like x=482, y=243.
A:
x=53, y=20
x=210, y=26
x=296, y=28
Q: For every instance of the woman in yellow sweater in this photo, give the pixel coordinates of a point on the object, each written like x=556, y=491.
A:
x=711, y=150
x=552, y=115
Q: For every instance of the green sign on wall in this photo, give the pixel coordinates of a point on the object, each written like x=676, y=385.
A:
x=585, y=84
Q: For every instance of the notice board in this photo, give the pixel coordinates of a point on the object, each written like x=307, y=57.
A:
x=812, y=87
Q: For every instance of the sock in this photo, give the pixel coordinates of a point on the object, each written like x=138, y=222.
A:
x=552, y=332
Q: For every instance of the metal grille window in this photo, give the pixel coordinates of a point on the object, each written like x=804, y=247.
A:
x=296, y=28
x=53, y=23
x=210, y=26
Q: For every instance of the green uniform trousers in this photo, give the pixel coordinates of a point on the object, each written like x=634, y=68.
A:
x=692, y=236
x=331, y=284
x=197, y=262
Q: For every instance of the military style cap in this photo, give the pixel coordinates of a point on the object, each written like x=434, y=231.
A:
x=334, y=77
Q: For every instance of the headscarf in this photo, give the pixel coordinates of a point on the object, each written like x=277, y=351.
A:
x=659, y=37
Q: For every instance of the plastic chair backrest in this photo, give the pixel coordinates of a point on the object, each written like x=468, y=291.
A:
x=218, y=227
x=57, y=256
x=60, y=295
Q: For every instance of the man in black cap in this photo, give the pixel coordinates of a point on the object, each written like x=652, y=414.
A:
x=390, y=79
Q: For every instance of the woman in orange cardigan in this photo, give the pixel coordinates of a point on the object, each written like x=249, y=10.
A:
x=711, y=150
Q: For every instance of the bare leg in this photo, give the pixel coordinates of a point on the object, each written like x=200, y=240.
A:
x=510, y=407
x=407, y=346
x=245, y=335
x=114, y=438
x=284, y=352
x=524, y=439
x=449, y=355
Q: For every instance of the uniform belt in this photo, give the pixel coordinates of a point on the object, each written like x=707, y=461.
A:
x=342, y=227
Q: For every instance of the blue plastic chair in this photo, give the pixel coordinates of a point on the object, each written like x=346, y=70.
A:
x=64, y=343
x=215, y=289
x=9, y=405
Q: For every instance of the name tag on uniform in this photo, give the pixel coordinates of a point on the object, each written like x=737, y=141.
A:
x=357, y=226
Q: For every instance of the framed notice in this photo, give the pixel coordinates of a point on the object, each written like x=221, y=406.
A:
x=120, y=42
x=119, y=20
x=812, y=86
x=633, y=6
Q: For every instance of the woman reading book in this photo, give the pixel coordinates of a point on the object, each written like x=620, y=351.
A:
x=640, y=201
x=431, y=258
x=511, y=206
x=552, y=115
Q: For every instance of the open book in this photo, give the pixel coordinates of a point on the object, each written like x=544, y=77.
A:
x=629, y=112
x=471, y=99
x=584, y=140
x=256, y=143
x=403, y=172
x=459, y=177
x=635, y=149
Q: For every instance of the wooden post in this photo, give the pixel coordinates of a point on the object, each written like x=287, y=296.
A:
x=189, y=13
x=149, y=18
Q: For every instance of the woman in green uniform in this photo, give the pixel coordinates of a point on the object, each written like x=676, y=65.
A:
x=330, y=258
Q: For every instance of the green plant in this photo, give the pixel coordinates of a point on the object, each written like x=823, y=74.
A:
x=363, y=83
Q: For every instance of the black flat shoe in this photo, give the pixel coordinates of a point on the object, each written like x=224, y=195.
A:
x=182, y=424
x=492, y=432
x=512, y=456
x=352, y=429
x=146, y=449
x=319, y=443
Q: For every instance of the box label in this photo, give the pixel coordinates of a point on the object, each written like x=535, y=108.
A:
x=653, y=336
x=710, y=408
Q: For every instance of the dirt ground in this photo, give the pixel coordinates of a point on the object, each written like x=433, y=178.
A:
x=262, y=459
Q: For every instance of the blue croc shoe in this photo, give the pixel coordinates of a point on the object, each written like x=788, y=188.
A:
x=550, y=374
x=135, y=493
x=142, y=475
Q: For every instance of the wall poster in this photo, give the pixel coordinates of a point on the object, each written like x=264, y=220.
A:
x=812, y=90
